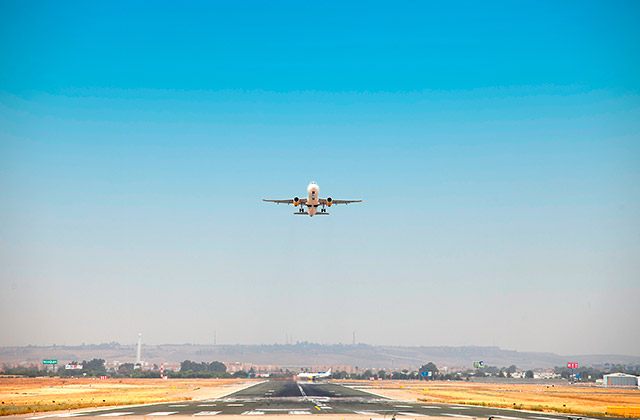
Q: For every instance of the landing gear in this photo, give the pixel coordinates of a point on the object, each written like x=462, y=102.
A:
x=301, y=210
x=323, y=209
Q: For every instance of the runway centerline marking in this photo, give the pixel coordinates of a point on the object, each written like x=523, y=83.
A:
x=162, y=413
x=120, y=413
x=178, y=405
x=409, y=413
x=464, y=416
x=208, y=413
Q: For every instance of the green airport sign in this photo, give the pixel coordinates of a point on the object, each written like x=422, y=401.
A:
x=50, y=362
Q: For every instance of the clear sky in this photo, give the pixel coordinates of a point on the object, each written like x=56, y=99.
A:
x=496, y=146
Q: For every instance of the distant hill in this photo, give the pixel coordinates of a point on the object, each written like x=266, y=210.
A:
x=309, y=354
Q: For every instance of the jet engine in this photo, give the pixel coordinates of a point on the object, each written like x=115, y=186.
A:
x=296, y=201
x=329, y=201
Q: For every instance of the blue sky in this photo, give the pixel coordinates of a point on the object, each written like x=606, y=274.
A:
x=497, y=148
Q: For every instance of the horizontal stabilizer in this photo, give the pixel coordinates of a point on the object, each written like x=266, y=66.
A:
x=301, y=212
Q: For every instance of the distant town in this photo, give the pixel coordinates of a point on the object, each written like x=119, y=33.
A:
x=359, y=361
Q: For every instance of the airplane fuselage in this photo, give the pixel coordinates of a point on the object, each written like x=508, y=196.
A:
x=313, y=198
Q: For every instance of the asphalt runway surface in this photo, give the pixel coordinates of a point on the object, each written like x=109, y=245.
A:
x=305, y=398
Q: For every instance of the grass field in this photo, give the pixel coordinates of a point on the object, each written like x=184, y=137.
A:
x=28, y=395
x=587, y=400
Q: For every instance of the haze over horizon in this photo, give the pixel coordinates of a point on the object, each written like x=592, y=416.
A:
x=496, y=146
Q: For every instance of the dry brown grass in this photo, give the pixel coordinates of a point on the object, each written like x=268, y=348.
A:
x=27, y=395
x=586, y=400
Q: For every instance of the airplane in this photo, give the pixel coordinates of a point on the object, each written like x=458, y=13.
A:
x=312, y=202
x=312, y=376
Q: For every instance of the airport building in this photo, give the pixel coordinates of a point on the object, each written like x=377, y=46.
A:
x=620, y=380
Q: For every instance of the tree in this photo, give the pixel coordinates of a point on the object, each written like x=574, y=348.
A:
x=125, y=369
x=202, y=367
x=94, y=367
x=239, y=374
x=528, y=374
x=429, y=367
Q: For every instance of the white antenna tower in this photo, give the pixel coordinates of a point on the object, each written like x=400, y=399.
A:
x=139, y=351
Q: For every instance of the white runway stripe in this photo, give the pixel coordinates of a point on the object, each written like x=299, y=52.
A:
x=252, y=413
x=507, y=417
x=235, y=405
x=403, y=406
x=178, y=405
x=119, y=413
x=208, y=413
x=455, y=407
x=408, y=413
x=542, y=418
x=367, y=413
x=206, y=405
x=161, y=413
x=428, y=406
x=298, y=412
x=464, y=416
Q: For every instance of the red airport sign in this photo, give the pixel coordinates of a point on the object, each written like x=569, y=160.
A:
x=572, y=365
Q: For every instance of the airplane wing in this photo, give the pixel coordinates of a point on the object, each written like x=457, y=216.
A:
x=287, y=201
x=333, y=201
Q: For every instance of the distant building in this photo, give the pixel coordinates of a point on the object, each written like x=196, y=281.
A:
x=620, y=379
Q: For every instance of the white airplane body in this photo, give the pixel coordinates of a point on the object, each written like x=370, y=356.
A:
x=312, y=202
x=314, y=375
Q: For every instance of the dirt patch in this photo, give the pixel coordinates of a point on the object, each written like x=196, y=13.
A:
x=30, y=395
x=578, y=399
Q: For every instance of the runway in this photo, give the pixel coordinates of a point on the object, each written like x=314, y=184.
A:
x=300, y=398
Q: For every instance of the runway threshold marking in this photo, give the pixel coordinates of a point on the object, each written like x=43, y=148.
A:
x=208, y=413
